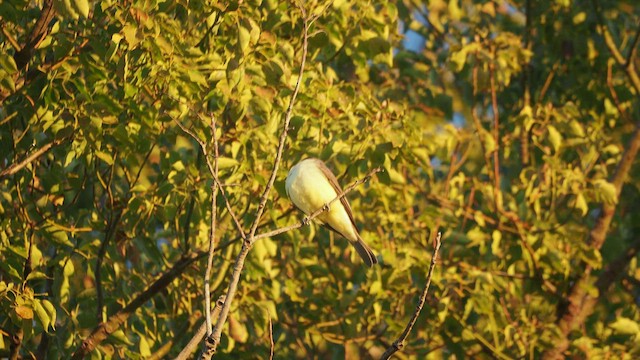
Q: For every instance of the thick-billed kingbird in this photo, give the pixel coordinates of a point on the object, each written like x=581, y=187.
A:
x=311, y=185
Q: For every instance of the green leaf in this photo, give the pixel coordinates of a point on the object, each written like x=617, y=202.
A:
x=6, y=81
x=605, y=191
x=8, y=64
x=554, y=137
x=625, y=326
x=104, y=157
x=51, y=311
x=579, y=17
x=459, y=58
x=42, y=314
x=145, y=349
x=496, y=236
x=395, y=176
x=82, y=7
x=244, y=36
x=66, y=9
x=581, y=204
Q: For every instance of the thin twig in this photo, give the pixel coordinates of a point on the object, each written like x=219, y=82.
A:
x=114, y=220
x=526, y=84
x=212, y=171
x=271, y=343
x=547, y=82
x=16, y=344
x=399, y=343
x=7, y=35
x=614, y=94
x=212, y=232
x=628, y=68
x=214, y=339
x=476, y=121
x=285, y=128
x=496, y=137
x=14, y=168
x=634, y=47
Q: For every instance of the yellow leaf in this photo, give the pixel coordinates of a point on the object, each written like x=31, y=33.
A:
x=554, y=137
x=581, y=204
x=625, y=326
x=24, y=312
x=605, y=191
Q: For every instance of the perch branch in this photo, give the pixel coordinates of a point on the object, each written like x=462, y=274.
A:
x=213, y=340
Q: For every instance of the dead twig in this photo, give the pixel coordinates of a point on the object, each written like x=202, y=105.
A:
x=400, y=342
x=212, y=230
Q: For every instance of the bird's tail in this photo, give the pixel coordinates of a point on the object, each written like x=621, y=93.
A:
x=365, y=252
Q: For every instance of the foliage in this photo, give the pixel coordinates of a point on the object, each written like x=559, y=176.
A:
x=503, y=124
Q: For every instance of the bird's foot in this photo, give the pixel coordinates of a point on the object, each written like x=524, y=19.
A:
x=326, y=207
x=305, y=220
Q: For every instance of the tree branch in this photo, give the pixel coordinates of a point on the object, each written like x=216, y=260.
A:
x=400, y=342
x=629, y=68
x=496, y=137
x=213, y=173
x=214, y=339
x=272, y=345
x=634, y=47
x=103, y=330
x=580, y=303
x=38, y=33
x=212, y=231
x=202, y=330
x=14, y=168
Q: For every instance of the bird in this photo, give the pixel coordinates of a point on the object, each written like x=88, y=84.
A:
x=310, y=185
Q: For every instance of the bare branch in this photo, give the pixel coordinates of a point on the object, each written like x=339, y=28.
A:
x=14, y=168
x=213, y=173
x=38, y=33
x=212, y=231
x=399, y=343
x=496, y=138
x=285, y=128
x=547, y=82
x=214, y=339
x=197, y=338
x=271, y=343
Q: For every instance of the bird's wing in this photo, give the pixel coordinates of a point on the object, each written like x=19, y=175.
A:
x=334, y=183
